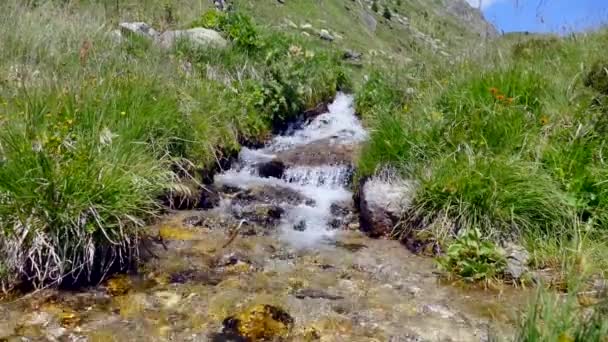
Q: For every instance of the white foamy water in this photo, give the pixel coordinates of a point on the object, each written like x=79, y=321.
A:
x=340, y=124
x=324, y=184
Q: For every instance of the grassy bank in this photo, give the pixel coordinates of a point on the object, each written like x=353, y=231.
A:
x=510, y=143
x=92, y=127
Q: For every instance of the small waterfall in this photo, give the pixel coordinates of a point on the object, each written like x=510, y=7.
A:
x=305, y=224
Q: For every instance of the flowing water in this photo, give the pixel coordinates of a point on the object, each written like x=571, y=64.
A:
x=290, y=242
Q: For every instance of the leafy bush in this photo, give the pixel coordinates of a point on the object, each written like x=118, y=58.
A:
x=472, y=258
x=238, y=27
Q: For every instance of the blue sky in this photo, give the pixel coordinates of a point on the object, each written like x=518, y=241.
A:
x=559, y=16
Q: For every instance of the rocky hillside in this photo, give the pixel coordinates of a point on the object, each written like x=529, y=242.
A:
x=402, y=30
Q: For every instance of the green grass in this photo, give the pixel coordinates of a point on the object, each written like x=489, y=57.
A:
x=552, y=317
x=92, y=129
x=509, y=141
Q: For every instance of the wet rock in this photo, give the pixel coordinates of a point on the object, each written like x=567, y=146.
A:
x=340, y=209
x=272, y=169
x=209, y=198
x=319, y=109
x=270, y=195
x=140, y=29
x=260, y=322
x=315, y=294
x=198, y=36
x=300, y=226
x=195, y=276
x=382, y=201
x=517, y=261
x=351, y=247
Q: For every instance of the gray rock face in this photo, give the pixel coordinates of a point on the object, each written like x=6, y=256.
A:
x=382, y=202
x=138, y=28
x=472, y=17
x=517, y=260
x=200, y=37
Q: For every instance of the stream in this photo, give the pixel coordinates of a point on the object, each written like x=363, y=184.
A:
x=278, y=257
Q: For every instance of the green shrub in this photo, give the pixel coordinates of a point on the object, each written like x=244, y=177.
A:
x=375, y=6
x=473, y=259
x=237, y=26
x=387, y=13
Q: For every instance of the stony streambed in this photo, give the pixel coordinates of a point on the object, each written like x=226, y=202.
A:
x=279, y=257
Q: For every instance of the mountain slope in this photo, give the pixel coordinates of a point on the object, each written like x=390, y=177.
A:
x=402, y=30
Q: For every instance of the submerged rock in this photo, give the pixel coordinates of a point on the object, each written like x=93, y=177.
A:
x=140, y=29
x=383, y=199
x=260, y=322
x=270, y=195
x=315, y=294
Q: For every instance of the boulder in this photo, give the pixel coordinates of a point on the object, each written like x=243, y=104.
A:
x=198, y=36
x=271, y=169
x=325, y=35
x=382, y=201
x=517, y=261
x=140, y=29
x=352, y=55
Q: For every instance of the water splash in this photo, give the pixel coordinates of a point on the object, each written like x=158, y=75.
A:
x=305, y=224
